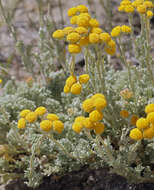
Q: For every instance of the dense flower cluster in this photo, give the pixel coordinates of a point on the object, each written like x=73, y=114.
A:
x=141, y=6
x=75, y=86
x=48, y=120
x=118, y=30
x=144, y=126
x=87, y=31
x=94, y=107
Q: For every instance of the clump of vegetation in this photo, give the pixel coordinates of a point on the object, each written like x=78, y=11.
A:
x=102, y=117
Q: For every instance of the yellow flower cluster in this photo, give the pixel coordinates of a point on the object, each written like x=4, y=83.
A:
x=94, y=107
x=75, y=86
x=118, y=30
x=142, y=7
x=144, y=126
x=87, y=31
x=49, y=120
x=124, y=113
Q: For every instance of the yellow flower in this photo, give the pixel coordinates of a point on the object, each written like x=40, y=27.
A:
x=73, y=37
x=94, y=23
x=1, y=81
x=149, y=14
x=84, y=78
x=58, y=126
x=116, y=31
x=23, y=113
x=124, y=113
x=105, y=37
x=100, y=103
x=76, y=88
x=94, y=38
x=149, y=108
x=66, y=89
x=40, y=110
x=58, y=34
x=72, y=11
x=86, y=15
x=46, y=125
x=71, y=80
x=148, y=4
x=52, y=117
x=84, y=41
x=134, y=119
x=21, y=123
x=95, y=116
x=126, y=93
x=88, y=124
x=83, y=21
x=150, y=117
x=74, y=48
x=99, y=128
x=31, y=117
x=74, y=19
x=126, y=29
x=81, y=30
x=77, y=127
x=87, y=105
x=142, y=123
x=121, y=8
x=68, y=30
x=82, y=8
x=96, y=30
x=141, y=9
x=136, y=134
x=98, y=95
x=80, y=119
x=129, y=9
x=111, y=44
x=148, y=133
x=110, y=51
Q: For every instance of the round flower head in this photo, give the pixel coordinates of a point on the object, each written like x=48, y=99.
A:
x=21, y=123
x=148, y=133
x=84, y=78
x=52, y=117
x=95, y=116
x=121, y=8
x=23, y=113
x=73, y=37
x=68, y=30
x=136, y=134
x=124, y=113
x=149, y=14
x=111, y=44
x=77, y=127
x=71, y=80
x=94, y=23
x=142, y=123
x=110, y=51
x=76, y=88
x=150, y=117
x=134, y=119
x=129, y=9
x=58, y=34
x=74, y=48
x=94, y=38
x=99, y=128
x=81, y=30
x=82, y=8
x=141, y=9
x=116, y=31
x=126, y=29
x=66, y=89
x=58, y=126
x=74, y=19
x=88, y=124
x=40, y=110
x=149, y=108
x=31, y=117
x=100, y=103
x=46, y=125
x=80, y=119
x=98, y=95
x=72, y=11
x=148, y=4
x=84, y=41
x=96, y=30
x=83, y=21
x=88, y=105
x=1, y=81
